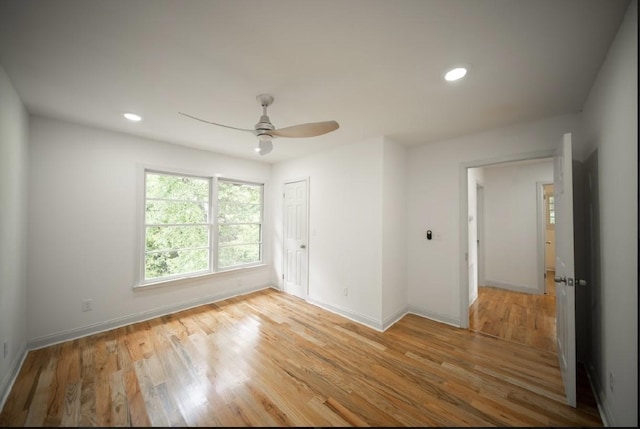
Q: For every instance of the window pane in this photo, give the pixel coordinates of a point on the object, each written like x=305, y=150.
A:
x=239, y=213
x=241, y=193
x=177, y=187
x=176, y=237
x=176, y=212
x=239, y=223
x=239, y=234
x=163, y=264
x=236, y=255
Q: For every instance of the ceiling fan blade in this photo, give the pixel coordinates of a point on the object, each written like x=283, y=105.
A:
x=311, y=129
x=220, y=125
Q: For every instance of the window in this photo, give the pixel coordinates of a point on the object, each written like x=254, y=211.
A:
x=239, y=223
x=183, y=238
x=177, y=225
x=551, y=210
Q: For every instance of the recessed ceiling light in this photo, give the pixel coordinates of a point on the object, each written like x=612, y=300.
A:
x=133, y=117
x=455, y=74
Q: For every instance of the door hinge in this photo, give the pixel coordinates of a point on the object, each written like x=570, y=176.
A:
x=282, y=276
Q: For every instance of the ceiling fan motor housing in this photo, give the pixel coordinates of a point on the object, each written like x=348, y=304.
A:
x=264, y=126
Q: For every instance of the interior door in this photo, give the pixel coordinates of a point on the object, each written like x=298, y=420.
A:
x=565, y=275
x=296, y=260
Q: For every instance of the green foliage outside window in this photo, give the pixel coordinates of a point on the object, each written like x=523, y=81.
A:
x=239, y=223
x=177, y=227
x=178, y=223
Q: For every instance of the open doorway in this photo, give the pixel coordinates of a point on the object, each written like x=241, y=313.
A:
x=549, y=239
x=511, y=292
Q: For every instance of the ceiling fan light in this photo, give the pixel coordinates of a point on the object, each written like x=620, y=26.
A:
x=264, y=147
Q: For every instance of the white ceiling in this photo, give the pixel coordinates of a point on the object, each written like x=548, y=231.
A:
x=375, y=66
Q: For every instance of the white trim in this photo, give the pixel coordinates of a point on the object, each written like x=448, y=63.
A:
x=351, y=315
x=480, y=214
x=601, y=398
x=463, y=217
x=513, y=287
x=541, y=222
x=11, y=376
x=394, y=318
x=436, y=317
x=71, y=334
x=197, y=276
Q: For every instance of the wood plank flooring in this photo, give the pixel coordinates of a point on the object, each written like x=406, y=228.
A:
x=270, y=359
x=515, y=316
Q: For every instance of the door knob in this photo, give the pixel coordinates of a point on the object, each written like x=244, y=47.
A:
x=581, y=282
x=560, y=279
x=302, y=246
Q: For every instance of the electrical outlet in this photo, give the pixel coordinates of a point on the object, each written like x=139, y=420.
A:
x=612, y=379
x=87, y=304
x=345, y=291
x=5, y=349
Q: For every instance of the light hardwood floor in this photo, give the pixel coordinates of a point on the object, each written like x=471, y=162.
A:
x=521, y=317
x=270, y=359
x=526, y=319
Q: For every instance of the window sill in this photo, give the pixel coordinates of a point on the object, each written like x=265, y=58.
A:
x=174, y=281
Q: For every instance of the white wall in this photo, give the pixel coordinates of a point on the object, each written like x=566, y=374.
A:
x=13, y=231
x=85, y=189
x=611, y=126
x=345, y=224
x=394, y=232
x=434, y=200
x=511, y=225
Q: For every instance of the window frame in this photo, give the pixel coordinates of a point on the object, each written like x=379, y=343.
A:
x=217, y=224
x=213, y=207
x=143, y=281
x=550, y=200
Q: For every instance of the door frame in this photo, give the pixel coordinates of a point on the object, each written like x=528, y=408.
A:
x=480, y=232
x=306, y=179
x=463, y=269
x=542, y=234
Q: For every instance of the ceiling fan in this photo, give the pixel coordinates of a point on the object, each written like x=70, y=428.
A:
x=265, y=130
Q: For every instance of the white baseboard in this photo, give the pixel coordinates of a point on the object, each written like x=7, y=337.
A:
x=72, y=334
x=515, y=288
x=435, y=316
x=389, y=321
x=12, y=374
x=601, y=398
x=352, y=315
